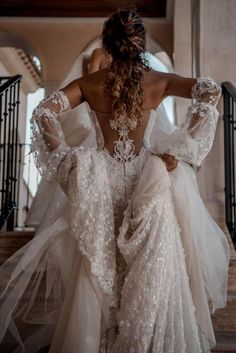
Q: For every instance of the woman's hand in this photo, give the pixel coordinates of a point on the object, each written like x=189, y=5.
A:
x=170, y=161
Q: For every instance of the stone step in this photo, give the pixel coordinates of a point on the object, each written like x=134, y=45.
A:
x=10, y=242
x=224, y=320
x=232, y=277
x=226, y=342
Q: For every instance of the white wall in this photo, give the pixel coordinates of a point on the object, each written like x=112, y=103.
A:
x=182, y=50
x=217, y=60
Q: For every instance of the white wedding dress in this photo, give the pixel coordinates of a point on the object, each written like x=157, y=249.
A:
x=130, y=261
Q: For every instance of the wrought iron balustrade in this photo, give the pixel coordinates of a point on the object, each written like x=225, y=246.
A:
x=229, y=95
x=9, y=122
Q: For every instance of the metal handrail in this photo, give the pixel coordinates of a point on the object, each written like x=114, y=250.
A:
x=230, y=88
x=229, y=116
x=9, y=81
x=9, y=122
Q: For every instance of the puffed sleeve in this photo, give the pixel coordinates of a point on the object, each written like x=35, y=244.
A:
x=47, y=137
x=193, y=140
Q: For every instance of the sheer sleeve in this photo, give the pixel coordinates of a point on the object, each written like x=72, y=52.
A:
x=193, y=140
x=48, y=140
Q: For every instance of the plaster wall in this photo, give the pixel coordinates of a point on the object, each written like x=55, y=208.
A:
x=217, y=60
x=59, y=41
x=215, y=57
x=182, y=55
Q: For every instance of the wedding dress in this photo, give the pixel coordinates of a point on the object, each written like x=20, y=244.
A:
x=129, y=265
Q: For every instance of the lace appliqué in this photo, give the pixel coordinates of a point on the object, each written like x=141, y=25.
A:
x=124, y=147
x=193, y=140
x=122, y=185
x=91, y=214
x=49, y=110
x=153, y=316
x=205, y=89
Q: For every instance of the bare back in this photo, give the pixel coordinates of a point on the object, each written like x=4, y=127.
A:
x=92, y=88
x=156, y=86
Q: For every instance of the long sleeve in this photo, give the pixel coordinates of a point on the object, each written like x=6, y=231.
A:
x=48, y=140
x=193, y=140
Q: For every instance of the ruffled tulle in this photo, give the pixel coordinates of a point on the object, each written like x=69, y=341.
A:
x=50, y=293
x=50, y=296
x=207, y=239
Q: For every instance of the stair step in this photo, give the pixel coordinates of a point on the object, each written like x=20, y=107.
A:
x=10, y=242
x=232, y=277
x=225, y=319
x=226, y=342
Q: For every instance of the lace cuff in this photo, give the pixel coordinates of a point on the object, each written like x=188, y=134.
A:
x=194, y=139
x=48, y=140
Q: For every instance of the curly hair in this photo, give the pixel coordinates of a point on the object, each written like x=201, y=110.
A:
x=123, y=38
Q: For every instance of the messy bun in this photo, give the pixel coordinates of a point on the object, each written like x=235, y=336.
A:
x=123, y=37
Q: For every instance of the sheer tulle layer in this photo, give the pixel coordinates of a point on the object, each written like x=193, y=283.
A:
x=202, y=235
x=157, y=312
x=32, y=288
x=64, y=297
x=49, y=286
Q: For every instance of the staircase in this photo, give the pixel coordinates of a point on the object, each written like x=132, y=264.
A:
x=224, y=320
x=10, y=242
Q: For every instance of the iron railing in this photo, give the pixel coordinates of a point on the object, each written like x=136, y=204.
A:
x=229, y=95
x=9, y=121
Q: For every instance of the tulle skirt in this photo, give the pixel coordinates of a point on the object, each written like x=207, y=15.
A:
x=50, y=297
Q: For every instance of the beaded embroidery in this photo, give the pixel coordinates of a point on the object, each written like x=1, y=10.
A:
x=49, y=109
x=124, y=147
x=152, y=314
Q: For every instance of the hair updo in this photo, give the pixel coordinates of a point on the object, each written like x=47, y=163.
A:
x=124, y=38
x=124, y=35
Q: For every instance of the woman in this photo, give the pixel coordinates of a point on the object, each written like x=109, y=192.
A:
x=114, y=263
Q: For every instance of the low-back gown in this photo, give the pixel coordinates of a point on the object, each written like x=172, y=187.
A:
x=134, y=263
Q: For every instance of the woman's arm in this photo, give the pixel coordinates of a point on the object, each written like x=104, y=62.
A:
x=48, y=141
x=48, y=111
x=203, y=89
x=193, y=140
x=180, y=86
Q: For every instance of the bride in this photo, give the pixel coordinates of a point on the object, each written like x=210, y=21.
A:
x=134, y=263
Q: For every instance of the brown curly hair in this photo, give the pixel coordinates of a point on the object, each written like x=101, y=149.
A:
x=123, y=37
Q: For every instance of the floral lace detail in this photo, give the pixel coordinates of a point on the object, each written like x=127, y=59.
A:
x=123, y=177
x=152, y=316
x=49, y=110
x=124, y=147
x=206, y=90
x=194, y=139
x=129, y=124
x=145, y=289
x=91, y=214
